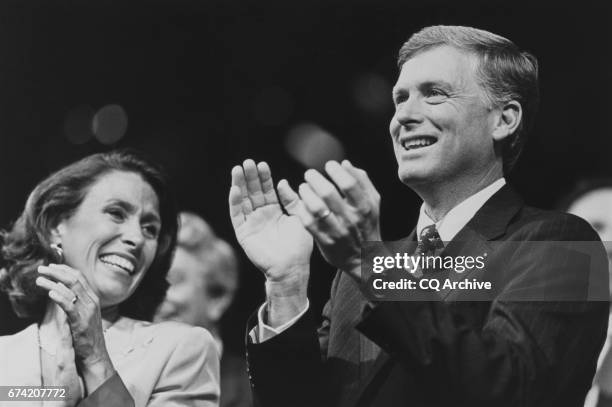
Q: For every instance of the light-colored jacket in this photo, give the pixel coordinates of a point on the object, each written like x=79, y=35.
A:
x=163, y=364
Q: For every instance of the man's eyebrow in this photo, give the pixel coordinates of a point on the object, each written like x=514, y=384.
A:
x=437, y=83
x=396, y=91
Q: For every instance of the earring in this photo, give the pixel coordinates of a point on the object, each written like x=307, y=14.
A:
x=58, y=252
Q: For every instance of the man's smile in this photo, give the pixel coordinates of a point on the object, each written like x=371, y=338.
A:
x=417, y=142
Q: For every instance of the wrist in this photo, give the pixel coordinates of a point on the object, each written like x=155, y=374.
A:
x=95, y=373
x=293, y=281
x=354, y=271
x=285, y=299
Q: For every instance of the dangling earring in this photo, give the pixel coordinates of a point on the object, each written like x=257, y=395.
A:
x=58, y=252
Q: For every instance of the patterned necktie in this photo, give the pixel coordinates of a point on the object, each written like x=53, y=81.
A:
x=430, y=244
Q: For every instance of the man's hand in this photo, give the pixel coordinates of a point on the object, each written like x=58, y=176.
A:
x=274, y=242
x=340, y=225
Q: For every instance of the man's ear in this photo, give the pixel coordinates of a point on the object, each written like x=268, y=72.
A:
x=508, y=121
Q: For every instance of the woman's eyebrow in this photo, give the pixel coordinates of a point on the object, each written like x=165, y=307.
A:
x=130, y=208
x=151, y=217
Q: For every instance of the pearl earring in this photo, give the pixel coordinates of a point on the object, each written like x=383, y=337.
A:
x=58, y=252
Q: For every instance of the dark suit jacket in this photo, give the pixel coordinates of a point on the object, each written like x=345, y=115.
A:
x=446, y=352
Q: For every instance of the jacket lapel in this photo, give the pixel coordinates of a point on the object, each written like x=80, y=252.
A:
x=490, y=222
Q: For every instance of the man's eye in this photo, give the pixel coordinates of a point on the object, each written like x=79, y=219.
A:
x=398, y=99
x=435, y=96
x=433, y=92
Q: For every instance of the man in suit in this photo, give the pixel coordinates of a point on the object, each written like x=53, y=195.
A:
x=464, y=99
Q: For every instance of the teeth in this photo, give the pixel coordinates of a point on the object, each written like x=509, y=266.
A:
x=118, y=261
x=416, y=143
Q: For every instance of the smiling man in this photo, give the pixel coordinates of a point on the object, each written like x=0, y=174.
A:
x=464, y=100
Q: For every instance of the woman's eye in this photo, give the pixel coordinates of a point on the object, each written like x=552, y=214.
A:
x=116, y=214
x=151, y=231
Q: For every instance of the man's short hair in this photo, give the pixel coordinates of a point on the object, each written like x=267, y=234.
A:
x=504, y=71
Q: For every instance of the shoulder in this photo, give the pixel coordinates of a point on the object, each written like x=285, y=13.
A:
x=169, y=336
x=17, y=340
x=183, y=335
x=537, y=224
x=20, y=352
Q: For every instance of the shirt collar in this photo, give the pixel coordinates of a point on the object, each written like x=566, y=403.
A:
x=461, y=214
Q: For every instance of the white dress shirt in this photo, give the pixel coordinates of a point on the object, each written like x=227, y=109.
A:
x=447, y=228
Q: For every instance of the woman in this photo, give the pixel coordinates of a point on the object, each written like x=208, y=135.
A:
x=88, y=258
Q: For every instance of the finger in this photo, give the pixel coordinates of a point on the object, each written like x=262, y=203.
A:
x=363, y=179
x=348, y=184
x=82, y=286
x=253, y=184
x=324, y=220
x=293, y=204
x=235, y=207
x=239, y=181
x=59, y=293
x=70, y=278
x=50, y=285
x=59, y=275
x=267, y=184
x=326, y=191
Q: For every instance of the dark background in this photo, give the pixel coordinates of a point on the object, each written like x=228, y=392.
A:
x=206, y=84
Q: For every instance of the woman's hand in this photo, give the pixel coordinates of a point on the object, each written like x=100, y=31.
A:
x=69, y=289
x=58, y=364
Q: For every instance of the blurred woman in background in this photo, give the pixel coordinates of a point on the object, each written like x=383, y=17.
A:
x=591, y=199
x=88, y=259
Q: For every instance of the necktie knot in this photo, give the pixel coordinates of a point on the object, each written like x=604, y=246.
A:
x=430, y=240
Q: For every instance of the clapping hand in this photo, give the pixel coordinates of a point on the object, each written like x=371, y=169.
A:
x=276, y=243
x=340, y=222
x=69, y=289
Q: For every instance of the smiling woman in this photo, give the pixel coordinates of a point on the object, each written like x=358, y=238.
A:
x=88, y=259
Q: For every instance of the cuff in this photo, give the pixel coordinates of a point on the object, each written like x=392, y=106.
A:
x=111, y=393
x=263, y=332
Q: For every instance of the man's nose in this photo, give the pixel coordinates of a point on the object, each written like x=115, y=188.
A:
x=410, y=112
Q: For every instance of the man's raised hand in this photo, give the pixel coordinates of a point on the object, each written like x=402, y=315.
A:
x=276, y=243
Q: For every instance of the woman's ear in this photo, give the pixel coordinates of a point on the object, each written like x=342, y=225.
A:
x=508, y=121
x=57, y=233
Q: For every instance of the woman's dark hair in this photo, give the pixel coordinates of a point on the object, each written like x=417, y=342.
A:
x=26, y=245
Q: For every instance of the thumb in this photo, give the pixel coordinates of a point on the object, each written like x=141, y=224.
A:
x=293, y=204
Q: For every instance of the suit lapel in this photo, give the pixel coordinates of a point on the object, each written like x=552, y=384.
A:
x=489, y=222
